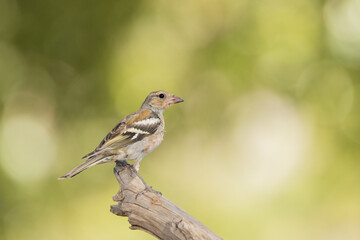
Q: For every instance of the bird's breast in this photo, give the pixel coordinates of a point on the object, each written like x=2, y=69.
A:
x=153, y=142
x=139, y=149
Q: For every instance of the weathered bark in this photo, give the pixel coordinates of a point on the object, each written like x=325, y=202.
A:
x=151, y=212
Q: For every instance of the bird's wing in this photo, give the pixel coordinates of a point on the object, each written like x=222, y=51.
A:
x=131, y=129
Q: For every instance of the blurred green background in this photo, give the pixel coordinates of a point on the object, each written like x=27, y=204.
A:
x=265, y=146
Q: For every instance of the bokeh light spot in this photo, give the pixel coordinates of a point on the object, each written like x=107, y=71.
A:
x=271, y=140
x=342, y=20
x=27, y=148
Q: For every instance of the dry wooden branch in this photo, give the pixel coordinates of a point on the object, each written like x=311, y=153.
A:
x=151, y=212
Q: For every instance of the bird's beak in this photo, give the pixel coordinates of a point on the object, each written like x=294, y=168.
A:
x=174, y=99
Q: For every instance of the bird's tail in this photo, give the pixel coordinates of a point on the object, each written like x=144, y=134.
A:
x=89, y=163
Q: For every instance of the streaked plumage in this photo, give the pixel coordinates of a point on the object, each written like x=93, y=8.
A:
x=134, y=136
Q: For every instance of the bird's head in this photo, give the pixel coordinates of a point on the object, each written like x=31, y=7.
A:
x=160, y=100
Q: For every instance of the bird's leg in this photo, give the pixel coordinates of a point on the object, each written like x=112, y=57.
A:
x=136, y=165
x=147, y=187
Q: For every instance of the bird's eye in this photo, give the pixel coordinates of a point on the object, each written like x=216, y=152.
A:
x=161, y=95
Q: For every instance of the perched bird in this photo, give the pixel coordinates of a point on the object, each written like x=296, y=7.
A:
x=134, y=136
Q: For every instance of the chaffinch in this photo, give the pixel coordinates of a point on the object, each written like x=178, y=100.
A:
x=134, y=136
